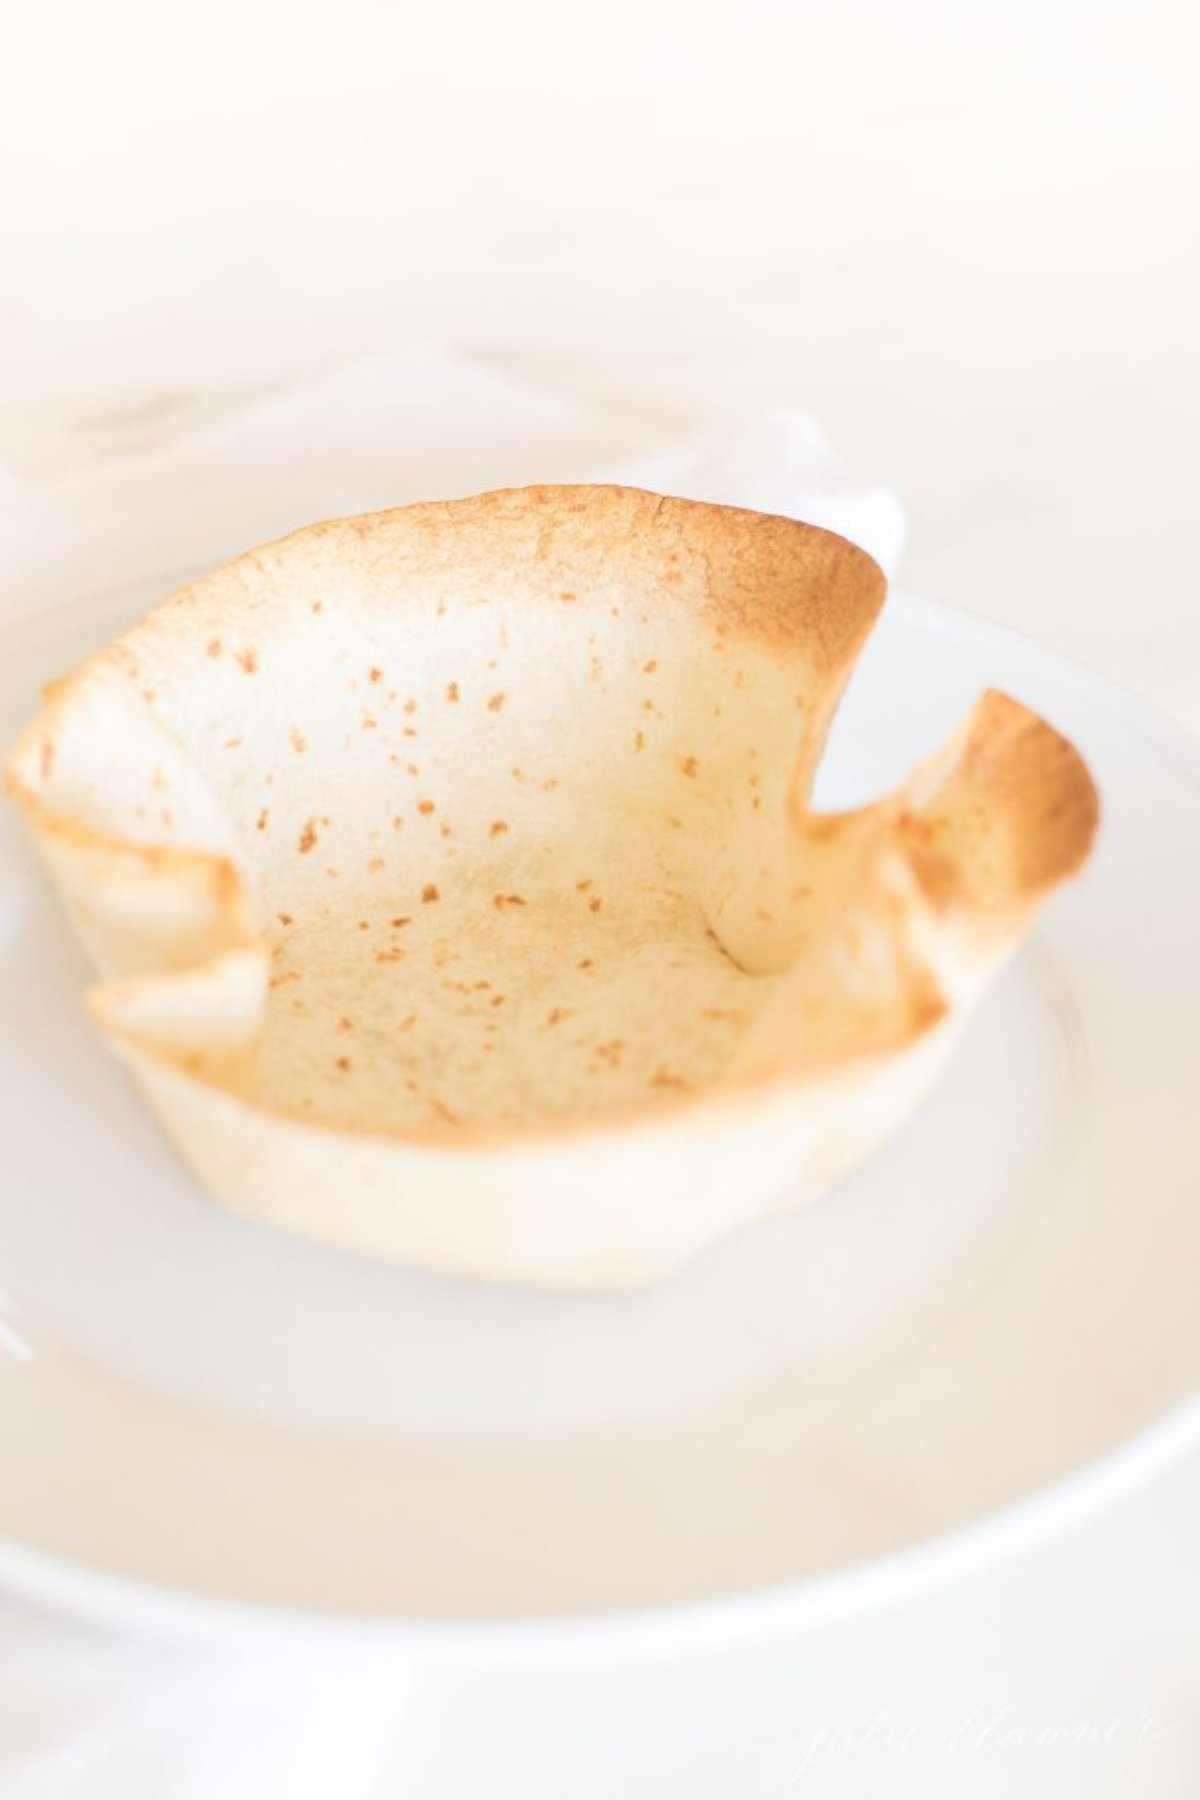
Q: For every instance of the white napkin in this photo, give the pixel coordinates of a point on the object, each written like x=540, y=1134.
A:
x=414, y=424
x=87, y=1713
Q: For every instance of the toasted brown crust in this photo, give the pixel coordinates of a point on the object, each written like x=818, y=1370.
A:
x=752, y=574
x=1019, y=801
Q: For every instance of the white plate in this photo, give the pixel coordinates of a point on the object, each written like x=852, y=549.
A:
x=201, y=1423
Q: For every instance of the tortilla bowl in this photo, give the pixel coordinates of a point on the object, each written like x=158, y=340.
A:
x=456, y=897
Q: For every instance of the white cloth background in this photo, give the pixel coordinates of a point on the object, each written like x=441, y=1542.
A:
x=411, y=425
x=87, y=1713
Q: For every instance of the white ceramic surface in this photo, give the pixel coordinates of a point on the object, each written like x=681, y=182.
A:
x=195, y=1415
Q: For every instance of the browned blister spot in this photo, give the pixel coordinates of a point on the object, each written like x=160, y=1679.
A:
x=284, y=918
x=667, y=1078
x=308, y=837
x=452, y=692
x=400, y=921
x=496, y=702
x=260, y=824
x=595, y=903
x=688, y=766
x=247, y=660
x=375, y=675
x=498, y=828
x=344, y=1064
x=502, y=901
x=298, y=741
x=426, y=807
x=429, y=893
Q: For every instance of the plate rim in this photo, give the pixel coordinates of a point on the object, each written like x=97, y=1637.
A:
x=757, y=1615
